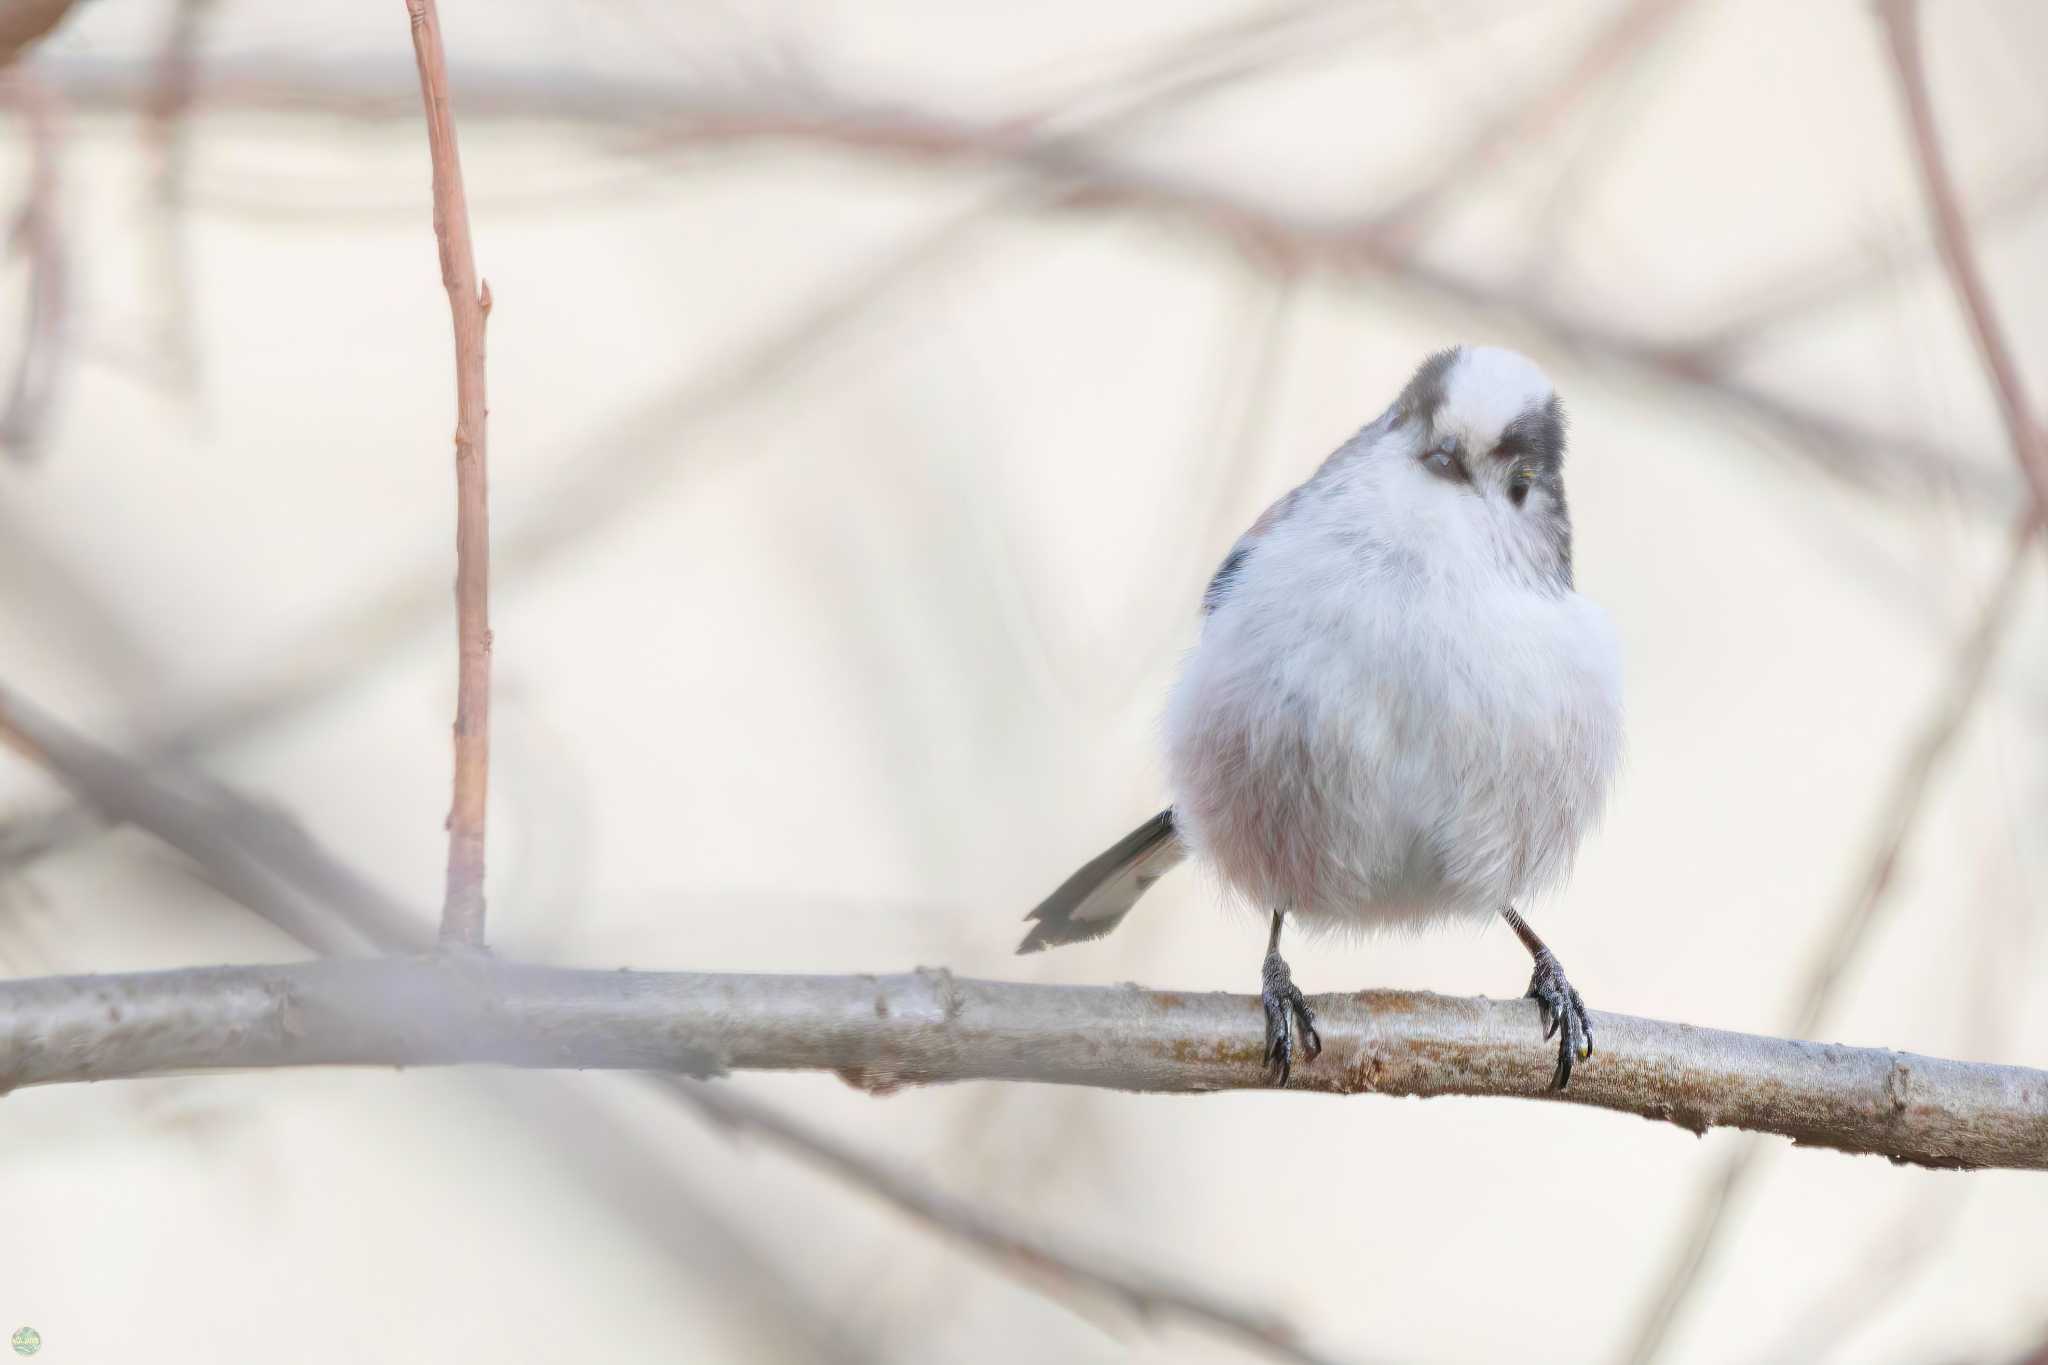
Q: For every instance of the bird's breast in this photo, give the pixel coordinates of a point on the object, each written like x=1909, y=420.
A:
x=1374, y=746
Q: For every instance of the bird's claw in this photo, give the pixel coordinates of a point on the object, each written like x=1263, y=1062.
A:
x=1286, y=1007
x=1564, y=1016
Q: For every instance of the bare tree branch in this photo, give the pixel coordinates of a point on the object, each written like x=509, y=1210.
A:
x=469, y=301
x=23, y=22
x=1019, y=1249
x=883, y=1032
x=1959, y=252
x=167, y=133
x=45, y=333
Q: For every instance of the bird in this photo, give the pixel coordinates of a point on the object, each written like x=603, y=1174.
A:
x=1399, y=712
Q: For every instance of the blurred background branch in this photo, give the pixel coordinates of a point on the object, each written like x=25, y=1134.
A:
x=1959, y=253
x=23, y=22
x=1077, y=175
x=37, y=235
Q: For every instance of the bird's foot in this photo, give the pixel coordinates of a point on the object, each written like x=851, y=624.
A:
x=1286, y=1007
x=1563, y=1013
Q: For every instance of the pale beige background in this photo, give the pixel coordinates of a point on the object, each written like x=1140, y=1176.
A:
x=842, y=676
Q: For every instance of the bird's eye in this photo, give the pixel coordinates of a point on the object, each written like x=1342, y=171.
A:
x=1519, y=483
x=1443, y=460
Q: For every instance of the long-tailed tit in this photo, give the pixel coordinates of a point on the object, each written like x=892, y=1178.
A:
x=1399, y=711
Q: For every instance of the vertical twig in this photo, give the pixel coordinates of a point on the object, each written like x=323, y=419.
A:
x=167, y=134
x=31, y=396
x=462, y=913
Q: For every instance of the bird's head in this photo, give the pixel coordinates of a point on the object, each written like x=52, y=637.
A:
x=1480, y=434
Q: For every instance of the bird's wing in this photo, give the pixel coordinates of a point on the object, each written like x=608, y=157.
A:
x=1233, y=563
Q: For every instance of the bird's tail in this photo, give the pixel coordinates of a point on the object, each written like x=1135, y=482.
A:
x=1095, y=900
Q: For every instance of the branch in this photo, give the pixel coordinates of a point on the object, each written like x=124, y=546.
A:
x=924, y=1027
x=23, y=22
x=462, y=912
x=1959, y=252
x=1142, y=1292
x=168, y=135
x=256, y=854
x=37, y=232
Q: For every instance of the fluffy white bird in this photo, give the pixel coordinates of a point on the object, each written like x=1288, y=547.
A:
x=1399, y=711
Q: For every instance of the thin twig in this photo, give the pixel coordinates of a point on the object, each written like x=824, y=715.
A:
x=167, y=132
x=469, y=302
x=1017, y=1248
x=1959, y=251
x=45, y=334
x=881, y=1033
